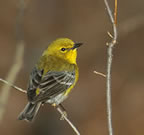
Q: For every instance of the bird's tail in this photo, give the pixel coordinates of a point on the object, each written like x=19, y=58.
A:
x=29, y=111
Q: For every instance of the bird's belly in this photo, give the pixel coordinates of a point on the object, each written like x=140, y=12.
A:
x=57, y=100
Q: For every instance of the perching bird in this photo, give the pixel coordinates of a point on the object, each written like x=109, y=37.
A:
x=53, y=77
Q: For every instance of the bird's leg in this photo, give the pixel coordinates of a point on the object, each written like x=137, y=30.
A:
x=42, y=103
x=63, y=110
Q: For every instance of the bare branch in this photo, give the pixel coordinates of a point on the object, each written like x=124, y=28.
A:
x=5, y=92
x=99, y=73
x=115, y=12
x=110, y=35
x=113, y=19
x=13, y=86
x=67, y=120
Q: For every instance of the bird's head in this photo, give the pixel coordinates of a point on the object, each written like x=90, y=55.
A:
x=64, y=48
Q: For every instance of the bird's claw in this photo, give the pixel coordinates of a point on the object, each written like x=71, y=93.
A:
x=63, y=115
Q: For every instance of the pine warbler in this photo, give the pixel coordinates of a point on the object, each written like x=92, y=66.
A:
x=53, y=77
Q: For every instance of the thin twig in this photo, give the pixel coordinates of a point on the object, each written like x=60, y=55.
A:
x=110, y=35
x=99, y=73
x=115, y=12
x=68, y=121
x=5, y=92
x=113, y=19
x=13, y=86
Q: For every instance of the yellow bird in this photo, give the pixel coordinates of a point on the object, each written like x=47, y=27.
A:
x=53, y=77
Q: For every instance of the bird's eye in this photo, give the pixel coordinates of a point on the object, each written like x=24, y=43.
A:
x=63, y=49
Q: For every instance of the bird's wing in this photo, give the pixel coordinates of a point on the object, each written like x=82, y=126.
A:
x=34, y=82
x=48, y=85
x=54, y=83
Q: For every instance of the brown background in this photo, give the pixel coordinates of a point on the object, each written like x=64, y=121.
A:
x=83, y=21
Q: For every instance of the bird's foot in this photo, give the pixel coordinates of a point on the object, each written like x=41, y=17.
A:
x=63, y=115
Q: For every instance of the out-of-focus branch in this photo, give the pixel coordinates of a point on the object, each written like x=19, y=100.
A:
x=113, y=19
x=20, y=21
x=18, y=61
x=130, y=25
x=11, y=77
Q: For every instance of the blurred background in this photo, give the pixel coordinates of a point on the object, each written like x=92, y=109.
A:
x=83, y=21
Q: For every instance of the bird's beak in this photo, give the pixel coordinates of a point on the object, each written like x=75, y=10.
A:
x=76, y=45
